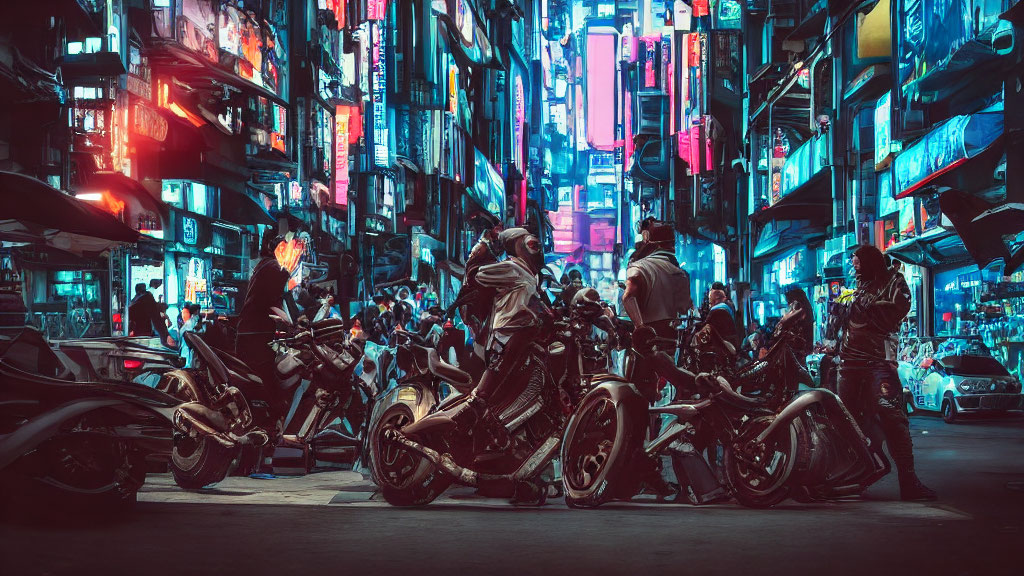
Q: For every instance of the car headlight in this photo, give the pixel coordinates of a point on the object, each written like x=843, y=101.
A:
x=972, y=385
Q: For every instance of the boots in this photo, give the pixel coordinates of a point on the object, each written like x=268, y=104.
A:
x=912, y=490
x=467, y=414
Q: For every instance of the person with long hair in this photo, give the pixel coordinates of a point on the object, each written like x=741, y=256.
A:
x=868, y=383
x=797, y=300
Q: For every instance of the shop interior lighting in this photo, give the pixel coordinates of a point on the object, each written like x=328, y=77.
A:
x=74, y=48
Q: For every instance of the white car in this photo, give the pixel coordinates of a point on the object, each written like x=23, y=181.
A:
x=957, y=376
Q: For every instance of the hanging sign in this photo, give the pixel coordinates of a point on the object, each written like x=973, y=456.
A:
x=341, y=132
x=148, y=122
x=380, y=124
x=376, y=9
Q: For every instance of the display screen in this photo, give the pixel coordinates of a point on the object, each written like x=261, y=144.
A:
x=883, y=129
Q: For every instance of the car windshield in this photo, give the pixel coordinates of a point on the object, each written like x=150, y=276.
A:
x=973, y=365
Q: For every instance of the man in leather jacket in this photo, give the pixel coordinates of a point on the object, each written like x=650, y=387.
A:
x=657, y=292
x=868, y=383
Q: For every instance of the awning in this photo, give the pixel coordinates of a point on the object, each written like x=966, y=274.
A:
x=182, y=62
x=238, y=207
x=137, y=198
x=32, y=211
x=870, y=84
x=982, y=227
x=987, y=52
x=785, y=237
x=810, y=201
x=950, y=145
x=812, y=25
x=935, y=247
x=92, y=65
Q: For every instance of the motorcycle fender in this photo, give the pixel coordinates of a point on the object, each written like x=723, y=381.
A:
x=418, y=399
x=837, y=413
x=622, y=392
x=45, y=426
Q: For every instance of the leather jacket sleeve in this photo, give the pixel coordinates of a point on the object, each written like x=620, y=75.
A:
x=891, y=307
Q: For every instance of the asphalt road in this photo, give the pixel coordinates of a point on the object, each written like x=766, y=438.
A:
x=330, y=523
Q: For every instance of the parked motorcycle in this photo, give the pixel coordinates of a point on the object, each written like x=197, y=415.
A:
x=605, y=456
x=533, y=406
x=87, y=438
x=118, y=359
x=230, y=419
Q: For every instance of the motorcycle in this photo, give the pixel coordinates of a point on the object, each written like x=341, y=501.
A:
x=230, y=417
x=86, y=438
x=532, y=406
x=605, y=455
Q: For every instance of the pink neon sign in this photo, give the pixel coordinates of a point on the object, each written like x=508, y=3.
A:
x=601, y=91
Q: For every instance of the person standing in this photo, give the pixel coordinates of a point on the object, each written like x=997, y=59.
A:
x=657, y=293
x=867, y=380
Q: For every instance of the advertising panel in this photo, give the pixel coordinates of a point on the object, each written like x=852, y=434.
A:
x=376, y=9
x=600, y=104
x=519, y=107
x=945, y=148
x=488, y=188
x=195, y=25
x=380, y=121
x=883, y=131
x=341, y=142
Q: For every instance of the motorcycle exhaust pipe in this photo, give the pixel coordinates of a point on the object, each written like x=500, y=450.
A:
x=186, y=422
x=528, y=469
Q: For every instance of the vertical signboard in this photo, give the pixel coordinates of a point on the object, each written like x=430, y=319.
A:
x=600, y=103
x=341, y=133
x=520, y=122
x=376, y=9
x=883, y=134
x=380, y=121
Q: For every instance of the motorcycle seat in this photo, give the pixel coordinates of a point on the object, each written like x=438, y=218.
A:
x=730, y=396
x=224, y=367
x=454, y=375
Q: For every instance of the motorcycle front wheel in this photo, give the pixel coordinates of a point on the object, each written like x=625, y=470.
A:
x=196, y=460
x=760, y=474
x=599, y=442
x=404, y=477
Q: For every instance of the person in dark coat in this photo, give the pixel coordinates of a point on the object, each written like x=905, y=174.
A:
x=868, y=383
x=256, y=328
x=144, y=316
x=797, y=299
x=721, y=317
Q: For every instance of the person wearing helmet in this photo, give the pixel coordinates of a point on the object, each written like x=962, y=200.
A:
x=868, y=383
x=517, y=316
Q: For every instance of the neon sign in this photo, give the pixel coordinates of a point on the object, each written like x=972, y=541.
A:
x=520, y=107
x=189, y=230
x=376, y=9
x=341, y=132
x=380, y=125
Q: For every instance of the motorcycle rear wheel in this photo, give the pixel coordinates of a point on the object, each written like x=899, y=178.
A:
x=761, y=479
x=196, y=461
x=404, y=478
x=599, y=443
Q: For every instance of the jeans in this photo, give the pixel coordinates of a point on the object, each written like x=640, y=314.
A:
x=875, y=391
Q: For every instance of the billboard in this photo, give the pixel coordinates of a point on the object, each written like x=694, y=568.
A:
x=600, y=104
